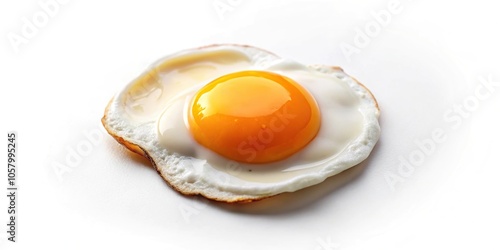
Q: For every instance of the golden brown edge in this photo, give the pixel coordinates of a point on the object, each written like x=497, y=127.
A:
x=362, y=85
x=140, y=151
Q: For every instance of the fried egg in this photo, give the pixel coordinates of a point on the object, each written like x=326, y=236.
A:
x=236, y=123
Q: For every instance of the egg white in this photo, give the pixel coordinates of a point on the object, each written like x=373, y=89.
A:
x=159, y=128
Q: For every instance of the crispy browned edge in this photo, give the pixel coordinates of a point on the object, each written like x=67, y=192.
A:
x=140, y=151
x=362, y=85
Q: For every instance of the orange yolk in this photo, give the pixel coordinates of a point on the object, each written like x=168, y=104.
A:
x=254, y=116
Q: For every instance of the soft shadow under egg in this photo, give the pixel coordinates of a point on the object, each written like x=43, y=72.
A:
x=296, y=201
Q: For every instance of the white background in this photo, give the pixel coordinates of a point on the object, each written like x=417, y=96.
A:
x=423, y=63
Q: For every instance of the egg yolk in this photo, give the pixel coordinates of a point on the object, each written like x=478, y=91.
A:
x=254, y=116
